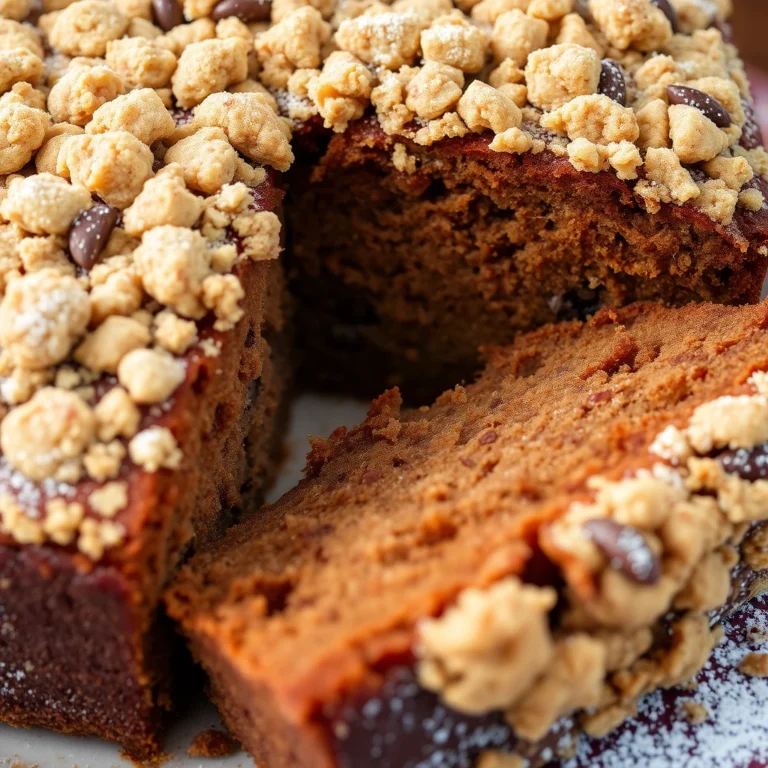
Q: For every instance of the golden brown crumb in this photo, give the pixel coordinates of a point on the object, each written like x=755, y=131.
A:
x=694, y=712
x=754, y=665
x=212, y=743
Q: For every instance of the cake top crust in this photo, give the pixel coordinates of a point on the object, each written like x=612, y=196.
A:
x=652, y=91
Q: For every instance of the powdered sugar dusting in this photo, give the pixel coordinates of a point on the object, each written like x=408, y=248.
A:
x=733, y=736
x=408, y=727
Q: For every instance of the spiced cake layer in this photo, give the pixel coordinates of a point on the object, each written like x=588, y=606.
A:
x=144, y=351
x=402, y=275
x=466, y=173
x=523, y=559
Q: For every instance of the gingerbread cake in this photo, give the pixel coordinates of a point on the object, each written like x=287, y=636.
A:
x=144, y=352
x=464, y=172
x=517, y=563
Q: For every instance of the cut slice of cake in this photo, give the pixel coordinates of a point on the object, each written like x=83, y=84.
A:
x=516, y=563
x=485, y=169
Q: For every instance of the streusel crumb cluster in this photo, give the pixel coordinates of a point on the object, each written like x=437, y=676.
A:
x=132, y=131
x=659, y=542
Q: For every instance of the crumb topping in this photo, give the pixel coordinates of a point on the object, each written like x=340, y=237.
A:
x=489, y=648
x=658, y=76
x=660, y=541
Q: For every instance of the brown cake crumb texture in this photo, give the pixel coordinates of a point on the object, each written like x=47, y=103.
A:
x=578, y=491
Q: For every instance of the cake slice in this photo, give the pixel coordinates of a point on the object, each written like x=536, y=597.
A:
x=505, y=165
x=515, y=564
x=145, y=351
x=144, y=361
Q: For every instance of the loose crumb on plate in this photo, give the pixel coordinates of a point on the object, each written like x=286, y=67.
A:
x=755, y=665
x=694, y=712
x=212, y=743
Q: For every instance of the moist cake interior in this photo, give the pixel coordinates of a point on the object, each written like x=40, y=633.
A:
x=318, y=597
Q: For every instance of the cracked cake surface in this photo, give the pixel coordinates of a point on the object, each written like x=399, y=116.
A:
x=521, y=560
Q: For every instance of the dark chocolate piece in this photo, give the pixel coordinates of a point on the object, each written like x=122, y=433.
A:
x=748, y=463
x=668, y=10
x=245, y=10
x=168, y=14
x=612, y=83
x=708, y=105
x=626, y=550
x=90, y=232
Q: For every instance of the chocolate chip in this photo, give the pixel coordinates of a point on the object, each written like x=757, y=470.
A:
x=748, y=463
x=751, y=133
x=706, y=104
x=666, y=8
x=488, y=438
x=245, y=10
x=612, y=83
x=167, y=13
x=89, y=233
x=626, y=550
x=371, y=477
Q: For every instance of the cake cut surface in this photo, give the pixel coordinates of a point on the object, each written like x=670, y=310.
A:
x=559, y=537
x=404, y=274
x=488, y=167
